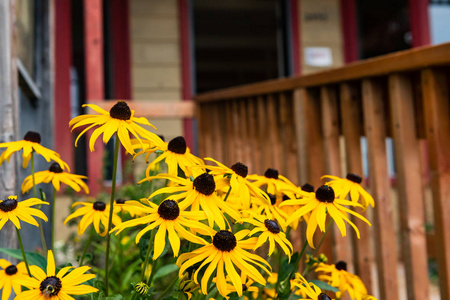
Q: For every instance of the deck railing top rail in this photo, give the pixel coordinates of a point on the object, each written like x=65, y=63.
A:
x=402, y=61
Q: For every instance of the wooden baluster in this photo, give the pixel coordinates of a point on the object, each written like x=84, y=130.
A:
x=246, y=143
x=410, y=186
x=437, y=129
x=385, y=239
x=230, y=137
x=273, y=140
x=352, y=129
x=300, y=132
x=254, y=165
x=263, y=129
x=236, y=144
x=289, y=139
x=217, y=132
x=330, y=128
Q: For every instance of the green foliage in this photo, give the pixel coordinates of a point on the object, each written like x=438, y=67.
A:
x=33, y=258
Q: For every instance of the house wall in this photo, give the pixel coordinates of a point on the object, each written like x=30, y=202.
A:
x=155, y=59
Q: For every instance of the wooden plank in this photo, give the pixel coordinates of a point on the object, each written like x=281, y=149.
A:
x=407, y=154
x=244, y=132
x=289, y=138
x=351, y=117
x=208, y=131
x=254, y=164
x=218, y=143
x=401, y=61
x=262, y=135
x=236, y=143
x=229, y=147
x=437, y=123
x=274, y=144
x=330, y=128
x=300, y=131
x=385, y=239
x=202, y=124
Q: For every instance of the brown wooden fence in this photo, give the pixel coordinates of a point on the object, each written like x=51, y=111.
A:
x=311, y=125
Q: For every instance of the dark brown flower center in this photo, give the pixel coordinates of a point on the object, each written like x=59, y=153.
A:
x=341, y=265
x=240, y=169
x=120, y=111
x=273, y=198
x=177, y=145
x=323, y=296
x=169, y=210
x=353, y=177
x=8, y=205
x=55, y=168
x=50, y=286
x=120, y=201
x=224, y=240
x=272, y=226
x=271, y=173
x=286, y=197
x=11, y=270
x=308, y=188
x=32, y=136
x=325, y=194
x=244, y=288
x=204, y=184
x=100, y=206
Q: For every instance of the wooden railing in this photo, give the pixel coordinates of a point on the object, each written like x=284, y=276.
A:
x=311, y=125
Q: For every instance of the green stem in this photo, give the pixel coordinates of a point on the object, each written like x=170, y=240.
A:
x=147, y=255
x=308, y=267
x=111, y=209
x=41, y=228
x=153, y=264
x=120, y=249
x=53, y=218
x=23, y=252
x=168, y=288
x=86, y=246
x=228, y=194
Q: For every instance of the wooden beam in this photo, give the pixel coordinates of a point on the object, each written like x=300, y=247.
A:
x=401, y=61
x=155, y=109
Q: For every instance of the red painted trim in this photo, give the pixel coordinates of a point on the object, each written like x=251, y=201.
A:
x=186, y=68
x=420, y=24
x=295, y=31
x=349, y=30
x=63, y=62
x=93, y=56
x=121, y=60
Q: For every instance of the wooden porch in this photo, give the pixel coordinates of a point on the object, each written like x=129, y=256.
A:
x=308, y=126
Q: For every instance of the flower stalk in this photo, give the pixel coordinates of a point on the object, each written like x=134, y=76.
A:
x=41, y=228
x=23, y=251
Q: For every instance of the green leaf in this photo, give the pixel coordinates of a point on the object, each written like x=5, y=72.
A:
x=324, y=286
x=164, y=271
x=115, y=297
x=33, y=258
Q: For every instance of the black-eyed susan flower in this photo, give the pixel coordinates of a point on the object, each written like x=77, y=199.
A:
x=236, y=177
x=55, y=286
x=270, y=209
x=351, y=184
x=336, y=275
x=124, y=206
x=176, y=155
x=227, y=250
x=120, y=119
x=31, y=142
x=56, y=176
x=96, y=213
x=271, y=231
x=200, y=193
x=11, y=209
x=319, y=204
x=247, y=285
x=8, y=277
x=307, y=290
x=272, y=179
x=172, y=220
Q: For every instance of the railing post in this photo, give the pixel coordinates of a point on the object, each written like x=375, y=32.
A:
x=410, y=186
x=437, y=129
x=385, y=243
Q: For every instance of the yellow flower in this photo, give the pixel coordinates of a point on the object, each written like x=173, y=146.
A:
x=120, y=119
x=8, y=277
x=336, y=275
x=274, y=181
x=271, y=209
x=320, y=204
x=225, y=251
x=94, y=213
x=351, y=184
x=198, y=193
x=11, y=209
x=125, y=206
x=188, y=285
x=176, y=154
x=171, y=218
x=270, y=231
x=56, y=175
x=307, y=289
x=246, y=284
x=31, y=142
x=55, y=286
x=241, y=188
